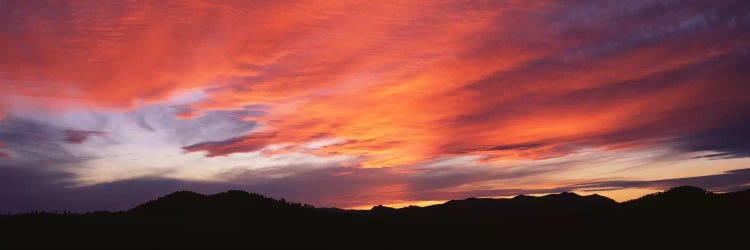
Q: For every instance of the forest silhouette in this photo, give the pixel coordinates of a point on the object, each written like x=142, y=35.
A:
x=682, y=216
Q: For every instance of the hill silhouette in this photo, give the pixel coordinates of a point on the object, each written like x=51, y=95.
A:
x=231, y=202
x=682, y=216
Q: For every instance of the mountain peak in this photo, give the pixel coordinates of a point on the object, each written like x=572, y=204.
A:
x=381, y=208
x=683, y=197
x=178, y=197
x=687, y=190
x=229, y=202
x=232, y=193
x=182, y=195
x=563, y=195
x=170, y=202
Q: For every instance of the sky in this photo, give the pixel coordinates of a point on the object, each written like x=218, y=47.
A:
x=108, y=104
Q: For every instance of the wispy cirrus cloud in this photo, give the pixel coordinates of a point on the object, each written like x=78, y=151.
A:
x=591, y=87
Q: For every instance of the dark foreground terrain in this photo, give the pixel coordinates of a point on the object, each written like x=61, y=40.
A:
x=680, y=217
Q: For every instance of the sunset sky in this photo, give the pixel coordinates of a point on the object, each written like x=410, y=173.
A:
x=107, y=104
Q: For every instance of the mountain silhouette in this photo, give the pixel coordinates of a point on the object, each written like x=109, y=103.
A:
x=230, y=202
x=679, y=217
x=524, y=205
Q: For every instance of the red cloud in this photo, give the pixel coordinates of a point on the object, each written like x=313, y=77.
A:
x=252, y=142
x=401, y=83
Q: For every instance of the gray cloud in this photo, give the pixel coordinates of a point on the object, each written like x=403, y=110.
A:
x=211, y=126
x=731, y=140
x=733, y=180
x=34, y=144
x=30, y=189
x=27, y=189
x=79, y=136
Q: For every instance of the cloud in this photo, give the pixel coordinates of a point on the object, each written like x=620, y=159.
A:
x=732, y=180
x=327, y=185
x=3, y=154
x=26, y=189
x=134, y=47
x=585, y=86
x=516, y=146
x=79, y=136
x=731, y=140
x=495, y=73
x=194, y=91
x=142, y=142
x=31, y=142
x=30, y=189
x=249, y=143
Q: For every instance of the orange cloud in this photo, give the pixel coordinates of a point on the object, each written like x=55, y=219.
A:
x=117, y=54
x=425, y=98
x=399, y=83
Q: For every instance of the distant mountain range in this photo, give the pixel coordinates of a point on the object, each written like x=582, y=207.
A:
x=682, y=216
